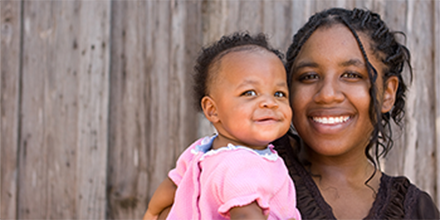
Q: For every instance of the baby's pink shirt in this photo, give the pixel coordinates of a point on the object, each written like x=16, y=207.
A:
x=211, y=183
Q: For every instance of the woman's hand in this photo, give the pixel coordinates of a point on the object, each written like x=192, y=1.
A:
x=149, y=216
x=164, y=214
x=251, y=211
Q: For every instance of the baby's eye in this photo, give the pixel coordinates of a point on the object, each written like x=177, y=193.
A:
x=249, y=93
x=280, y=94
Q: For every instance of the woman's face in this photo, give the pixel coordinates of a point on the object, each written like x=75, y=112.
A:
x=330, y=92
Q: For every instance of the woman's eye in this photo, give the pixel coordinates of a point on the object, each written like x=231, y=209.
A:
x=352, y=75
x=308, y=77
x=280, y=94
x=249, y=93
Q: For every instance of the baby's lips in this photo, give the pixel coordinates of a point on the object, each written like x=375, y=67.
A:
x=266, y=118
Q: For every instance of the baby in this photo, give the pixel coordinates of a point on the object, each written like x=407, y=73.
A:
x=241, y=85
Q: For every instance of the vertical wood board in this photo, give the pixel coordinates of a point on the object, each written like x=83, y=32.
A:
x=420, y=97
x=395, y=16
x=10, y=35
x=93, y=103
x=152, y=115
x=436, y=43
x=64, y=123
x=129, y=128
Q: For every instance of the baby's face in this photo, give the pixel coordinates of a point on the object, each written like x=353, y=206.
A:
x=251, y=96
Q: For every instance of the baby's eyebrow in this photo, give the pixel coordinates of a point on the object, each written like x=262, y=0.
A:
x=281, y=84
x=249, y=81
x=254, y=82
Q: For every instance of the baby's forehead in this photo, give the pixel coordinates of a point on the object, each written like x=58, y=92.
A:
x=239, y=49
x=247, y=58
x=218, y=62
x=245, y=64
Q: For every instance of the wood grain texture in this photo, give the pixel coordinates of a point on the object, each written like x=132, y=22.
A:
x=436, y=60
x=10, y=35
x=152, y=116
x=425, y=104
x=63, y=154
x=394, y=16
x=419, y=156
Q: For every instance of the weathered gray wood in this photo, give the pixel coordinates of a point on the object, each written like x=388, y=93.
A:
x=326, y=4
x=152, y=116
x=301, y=12
x=436, y=42
x=10, y=33
x=93, y=103
x=420, y=98
x=281, y=20
x=63, y=154
x=395, y=18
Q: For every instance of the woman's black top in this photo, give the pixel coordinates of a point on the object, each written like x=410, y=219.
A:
x=397, y=198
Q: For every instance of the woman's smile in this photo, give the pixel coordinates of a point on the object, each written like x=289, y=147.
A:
x=330, y=124
x=331, y=120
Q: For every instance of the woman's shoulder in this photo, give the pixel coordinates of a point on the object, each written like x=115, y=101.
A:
x=399, y=198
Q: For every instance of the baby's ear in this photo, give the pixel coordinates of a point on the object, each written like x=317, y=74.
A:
x=389, y=96
x=210, y=109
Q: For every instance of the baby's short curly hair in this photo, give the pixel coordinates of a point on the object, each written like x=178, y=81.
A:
x=212, y=54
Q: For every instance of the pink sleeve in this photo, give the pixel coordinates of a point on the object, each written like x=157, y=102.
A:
x=243, y=178
x=183, y=162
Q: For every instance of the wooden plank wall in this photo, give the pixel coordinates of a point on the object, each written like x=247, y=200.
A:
x=96, y=95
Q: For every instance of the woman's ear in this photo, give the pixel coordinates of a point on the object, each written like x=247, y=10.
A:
x=389, y=96
x=209, y=109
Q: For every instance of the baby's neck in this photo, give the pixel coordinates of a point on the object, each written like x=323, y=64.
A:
x=222, y=141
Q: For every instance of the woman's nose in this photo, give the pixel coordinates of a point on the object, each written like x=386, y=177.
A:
x=268, y=101
x=329, y=91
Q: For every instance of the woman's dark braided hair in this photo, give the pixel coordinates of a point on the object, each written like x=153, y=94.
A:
x=212, y=54
x=384, y=45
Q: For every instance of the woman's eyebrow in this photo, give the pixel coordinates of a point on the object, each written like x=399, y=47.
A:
x=303, y=64
x=353, y=62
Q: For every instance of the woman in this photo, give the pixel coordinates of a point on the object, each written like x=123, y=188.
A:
x=346, y=84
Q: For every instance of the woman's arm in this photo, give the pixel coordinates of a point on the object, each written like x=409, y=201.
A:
x=162, y=198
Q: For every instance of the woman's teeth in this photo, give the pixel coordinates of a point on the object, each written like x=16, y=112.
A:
x=331, y=120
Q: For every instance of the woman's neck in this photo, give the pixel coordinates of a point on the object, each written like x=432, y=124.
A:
x=348, y=183
x=353, y=167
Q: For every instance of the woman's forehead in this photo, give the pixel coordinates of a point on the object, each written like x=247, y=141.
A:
x=327, y=41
